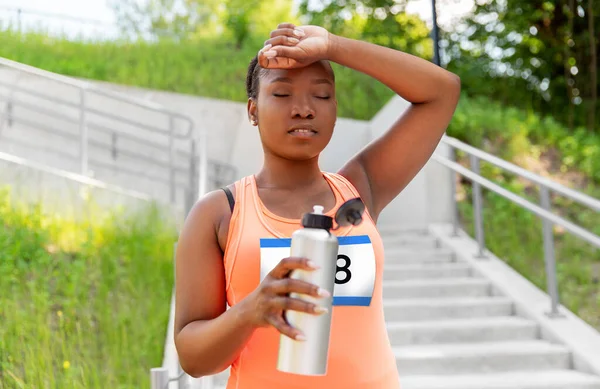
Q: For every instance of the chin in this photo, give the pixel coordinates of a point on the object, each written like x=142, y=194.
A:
x=300, y=155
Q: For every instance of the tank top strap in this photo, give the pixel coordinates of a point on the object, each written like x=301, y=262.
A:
x=236, y=227
x=343, y=185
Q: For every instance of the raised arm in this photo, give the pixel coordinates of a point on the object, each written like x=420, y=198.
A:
x=383, y=168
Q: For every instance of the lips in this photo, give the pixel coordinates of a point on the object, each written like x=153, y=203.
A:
x=303, y=131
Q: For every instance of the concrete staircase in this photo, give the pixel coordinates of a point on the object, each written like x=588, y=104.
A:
x=451, y=328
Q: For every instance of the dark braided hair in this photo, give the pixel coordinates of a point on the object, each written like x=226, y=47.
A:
x=254, y=73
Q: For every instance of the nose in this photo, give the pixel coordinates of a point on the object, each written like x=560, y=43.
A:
x=302, y=108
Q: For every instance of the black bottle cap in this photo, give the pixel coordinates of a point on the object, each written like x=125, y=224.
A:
x=316, y=219
x=350, y=213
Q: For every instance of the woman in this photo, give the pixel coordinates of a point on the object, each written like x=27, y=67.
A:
x=291, y=99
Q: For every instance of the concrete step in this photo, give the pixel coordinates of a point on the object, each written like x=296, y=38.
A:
x=447, y=308
x=485, y=357
x=387, y=230
x=411, y=240
x=396, y=272
x=550, y=379
x=470, y=330
x=441, y=288
x=408, y=256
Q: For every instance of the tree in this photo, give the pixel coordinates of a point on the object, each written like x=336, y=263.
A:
x=238, y=19
x=173, y=19
x=538, y=52
x=384, y=22
x=190, y=19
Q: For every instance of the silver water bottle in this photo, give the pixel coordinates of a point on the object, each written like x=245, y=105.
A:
x=316, y=243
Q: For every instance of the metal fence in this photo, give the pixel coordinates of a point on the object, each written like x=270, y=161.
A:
x=542, y=210
x=100, y=133
x=152, y=143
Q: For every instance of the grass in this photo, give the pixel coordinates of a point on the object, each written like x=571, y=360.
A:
x=515, y=235
x=84, y=304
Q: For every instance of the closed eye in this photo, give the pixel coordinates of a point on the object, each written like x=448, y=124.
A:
x=279, y=95
x=323, y=97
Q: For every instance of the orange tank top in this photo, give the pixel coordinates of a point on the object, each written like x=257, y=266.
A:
x=360, y=355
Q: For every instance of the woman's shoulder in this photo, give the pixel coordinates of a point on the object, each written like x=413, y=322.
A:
x=214, y=209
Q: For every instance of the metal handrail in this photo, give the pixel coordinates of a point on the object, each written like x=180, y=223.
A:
x=543, y=210
x=81, y=117
x=102, y=145
x=98, y=91
x=73, y=177
x=558, y=188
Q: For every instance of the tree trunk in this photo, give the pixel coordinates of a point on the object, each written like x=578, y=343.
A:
x=568, y=76
x=593, y=68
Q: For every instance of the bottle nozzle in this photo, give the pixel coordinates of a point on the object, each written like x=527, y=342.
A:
x=318, y=209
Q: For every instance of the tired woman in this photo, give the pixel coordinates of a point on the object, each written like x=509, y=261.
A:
x=219, y=260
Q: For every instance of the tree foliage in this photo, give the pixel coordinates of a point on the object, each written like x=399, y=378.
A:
x=535, y=53
x=190, y=19
x=384, y=22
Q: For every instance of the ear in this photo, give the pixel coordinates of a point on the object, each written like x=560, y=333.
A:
x=252, y=112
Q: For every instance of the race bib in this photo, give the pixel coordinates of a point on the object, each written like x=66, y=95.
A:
x=355, y=275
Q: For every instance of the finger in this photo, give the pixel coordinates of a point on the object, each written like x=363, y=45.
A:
x=288, y=285
x=262, y=58
x=290, y=32
x=286, y=25
x=292, y=52
x=286, y=265
x=282, y=41
x=293, y=304
x=284, y=328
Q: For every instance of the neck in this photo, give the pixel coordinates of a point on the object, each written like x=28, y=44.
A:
x=280, y=173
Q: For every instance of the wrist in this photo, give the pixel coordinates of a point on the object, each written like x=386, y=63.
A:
x=246, y=312
x=333, y=47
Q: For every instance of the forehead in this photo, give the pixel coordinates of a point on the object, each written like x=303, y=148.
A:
x=317, y=70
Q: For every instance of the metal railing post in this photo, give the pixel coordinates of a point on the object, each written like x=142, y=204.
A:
x=83, y=133
x=549, y=257
x=19, y=21
x=455, y=214
x=203, y=164
x=478, y=208
x=171, y=158
x=114, y=151
x=193, y=175
x=182, y=381
x=9, y=114
x=159, y=378
x=6, y=117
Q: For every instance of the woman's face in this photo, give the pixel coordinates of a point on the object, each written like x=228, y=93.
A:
x=296, y=111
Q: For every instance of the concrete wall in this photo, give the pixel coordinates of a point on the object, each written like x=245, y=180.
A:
x=427, y=198
x=232, y=140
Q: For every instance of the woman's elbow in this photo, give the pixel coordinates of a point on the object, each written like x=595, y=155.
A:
x=197, y=366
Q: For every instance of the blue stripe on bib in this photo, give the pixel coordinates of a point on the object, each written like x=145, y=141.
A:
x=356, y=263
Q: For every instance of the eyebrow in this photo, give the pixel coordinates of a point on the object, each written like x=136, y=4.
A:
x=289, y=80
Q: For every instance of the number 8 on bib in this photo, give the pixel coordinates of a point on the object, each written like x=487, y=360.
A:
x=355, y=274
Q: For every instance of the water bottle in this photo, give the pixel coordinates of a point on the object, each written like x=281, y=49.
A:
x=315, y=242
